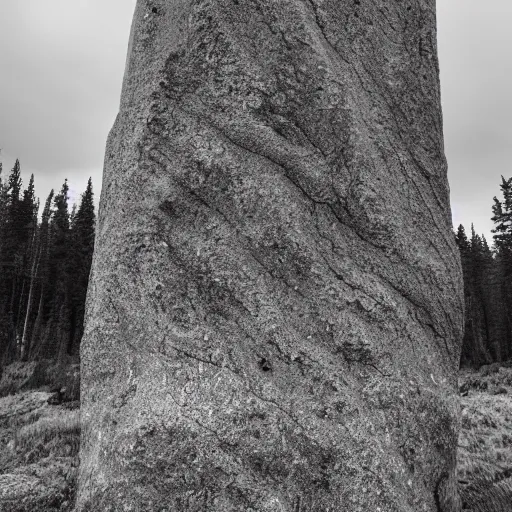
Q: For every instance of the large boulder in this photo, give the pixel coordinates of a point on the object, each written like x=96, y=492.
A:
x=275, y=307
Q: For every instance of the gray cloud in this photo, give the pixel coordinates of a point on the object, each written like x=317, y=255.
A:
x=62, y=63
x=475, y=45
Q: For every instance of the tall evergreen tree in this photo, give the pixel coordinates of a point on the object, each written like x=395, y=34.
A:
x=462, y=241
x=83, y=230
x=41, y=297
x=13, y=254
x=502, y=218
x=485, y=330
x=481, y=261
x=15, y=183
x=27, y=248
x=3, y=226
x=4, y=322
x=59, y=273
x=475, y=351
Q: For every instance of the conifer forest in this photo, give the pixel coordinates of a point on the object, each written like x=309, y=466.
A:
x=45, y=259
x=487, y=274
x=46, y=254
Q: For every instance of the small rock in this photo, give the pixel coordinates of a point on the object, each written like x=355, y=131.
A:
x=56, y=398
x=464, y=388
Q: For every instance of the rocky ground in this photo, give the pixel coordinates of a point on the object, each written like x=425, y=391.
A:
x=40, y=435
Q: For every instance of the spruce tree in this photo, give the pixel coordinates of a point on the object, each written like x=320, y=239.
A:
x=474, y=351
x=3, y=227
x=41, y=295
x=13, y=253
x=462, y=241
x=4, y=324
x=502, y=218
x=481, y=259
x=44, y=270
x=59, y=273
x=15, y=183
x=27, y=249
x=83, y=230
x=483, y=329
x=3, y=207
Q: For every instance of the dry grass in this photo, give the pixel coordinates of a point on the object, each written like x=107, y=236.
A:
x=39, y=443
x=43, y=448
x=485, y=442
x=42, y=375
x=19, y=376
x=57, y=435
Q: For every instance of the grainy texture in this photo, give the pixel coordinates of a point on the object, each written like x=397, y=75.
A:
x=485, y=443
x=275, y=307
x=38, y=452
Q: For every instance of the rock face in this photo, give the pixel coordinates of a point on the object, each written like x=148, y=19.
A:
x=275, y=308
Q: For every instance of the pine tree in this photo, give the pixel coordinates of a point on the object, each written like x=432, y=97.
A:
x=13, y=253
x=502, y=218
x=482, y=333
x=44, y=270
x=3, y=227
x=27, y=253
x=3, y=207
x=41, y=295
x=34, y=265
x=481, y=260
x=462, y=241
x=59, y=283
x=4, y=282
x=29, y=207
x=15, y=183
x=84, y=223
x=83, y=230
x=474, y=352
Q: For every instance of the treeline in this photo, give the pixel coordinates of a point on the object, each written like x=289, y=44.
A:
x=44, y=270
x=488, y=286
x=45, y=262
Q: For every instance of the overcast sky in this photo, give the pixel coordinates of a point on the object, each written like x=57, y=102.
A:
x=62, y=62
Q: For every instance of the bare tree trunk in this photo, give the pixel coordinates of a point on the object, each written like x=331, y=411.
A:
x=20, y=306
x=275, y=308
x=25, y=344
x=13, y=340
x=35, y=345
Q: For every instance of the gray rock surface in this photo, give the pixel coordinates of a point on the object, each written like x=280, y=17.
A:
x=275, y=307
